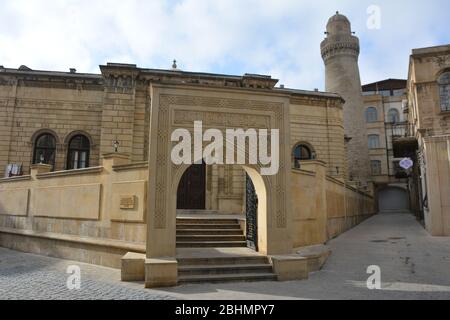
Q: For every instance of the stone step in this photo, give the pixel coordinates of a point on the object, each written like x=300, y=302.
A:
x=224, y=269
x=231, y=232
x=203, y=238
x=230, y=260
x=206, y=221
x=198, y=212
x=211, y=244
x=245, y=277
x=208, y=226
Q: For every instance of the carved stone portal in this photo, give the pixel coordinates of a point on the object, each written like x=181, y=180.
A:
x=176, y=107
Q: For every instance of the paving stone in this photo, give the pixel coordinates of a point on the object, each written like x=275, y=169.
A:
x=413, y=265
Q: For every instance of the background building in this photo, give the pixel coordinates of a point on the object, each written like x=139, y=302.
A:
x=97, y=183
x=427, y=139
x=384, y=104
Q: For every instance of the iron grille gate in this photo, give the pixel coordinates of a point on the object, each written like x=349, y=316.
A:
x=251, y=214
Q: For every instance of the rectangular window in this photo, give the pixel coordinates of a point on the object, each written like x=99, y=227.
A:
x=445, y=97
x=374, y=141
x=375, y=167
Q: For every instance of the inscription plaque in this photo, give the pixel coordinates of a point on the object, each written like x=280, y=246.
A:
x=127, y=202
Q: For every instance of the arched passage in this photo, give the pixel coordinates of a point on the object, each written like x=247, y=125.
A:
x=215, y=109
x=252, y=232
x=393, y=199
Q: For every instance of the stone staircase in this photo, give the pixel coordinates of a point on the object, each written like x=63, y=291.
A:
x=225, y=269
x=209, y=233
x=205, y=234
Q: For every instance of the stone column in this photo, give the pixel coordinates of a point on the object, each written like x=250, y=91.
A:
x=6, y=126
x=119, y=100
x=161, y=267
x=38, y=168
x=113, y=159
x=437, y=153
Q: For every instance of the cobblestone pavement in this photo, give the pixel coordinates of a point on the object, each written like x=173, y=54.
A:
x=413, y=265
x=33, y=277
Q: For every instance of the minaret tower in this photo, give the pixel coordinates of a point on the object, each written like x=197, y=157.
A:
x=340, y=52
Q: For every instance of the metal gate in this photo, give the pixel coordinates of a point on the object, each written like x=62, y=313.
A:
x=251, y=214
x=393, y=199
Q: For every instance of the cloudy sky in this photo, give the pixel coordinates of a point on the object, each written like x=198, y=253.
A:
x=276, y=37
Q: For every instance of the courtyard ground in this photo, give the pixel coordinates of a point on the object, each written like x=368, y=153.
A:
x=413, y=265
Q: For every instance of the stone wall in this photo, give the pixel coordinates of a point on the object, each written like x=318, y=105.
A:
x=431, y=126
x=318, y=123
x=30, y=111
x=38, y=212
x=324, y=207
x=346, y=207
x=99, y=208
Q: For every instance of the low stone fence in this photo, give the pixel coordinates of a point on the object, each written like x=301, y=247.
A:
x=346, y=207
x=94, y=215
x=97, y=215
x=324, y=207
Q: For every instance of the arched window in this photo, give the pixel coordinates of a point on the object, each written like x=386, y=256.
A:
x=45, y=149
x=371, y=115
x=302, y=152
x=444, y=91
x=78, y=152
x=393, y=116
x=374, y=141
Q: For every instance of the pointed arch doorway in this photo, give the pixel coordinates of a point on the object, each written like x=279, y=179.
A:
x=191, y=194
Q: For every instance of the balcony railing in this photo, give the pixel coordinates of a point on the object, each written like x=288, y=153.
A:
x=404, y=142
x=401, y=130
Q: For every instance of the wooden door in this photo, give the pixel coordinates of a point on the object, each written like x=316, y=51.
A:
x=192, y=188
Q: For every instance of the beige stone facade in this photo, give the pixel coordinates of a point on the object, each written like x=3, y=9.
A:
x=67, y=104
x=384, y=105
x=428, y=137
x=88, y=173
x=128, y=198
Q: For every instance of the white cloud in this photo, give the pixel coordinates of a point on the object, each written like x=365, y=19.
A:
x=274, y=37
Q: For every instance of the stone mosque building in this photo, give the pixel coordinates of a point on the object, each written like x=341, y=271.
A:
x=88, y=174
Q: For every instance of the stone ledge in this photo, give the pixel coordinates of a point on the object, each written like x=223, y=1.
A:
x=116, y=244
x=69, y=173
x=131, y=166
x=97, y=255
x=304, y=172
x=15, y=179
x=116, y=155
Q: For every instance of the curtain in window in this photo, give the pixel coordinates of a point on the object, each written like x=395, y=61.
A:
x=78, y=153
x=45, y=149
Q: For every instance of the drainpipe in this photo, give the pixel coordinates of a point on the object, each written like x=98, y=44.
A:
x=386, y=138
